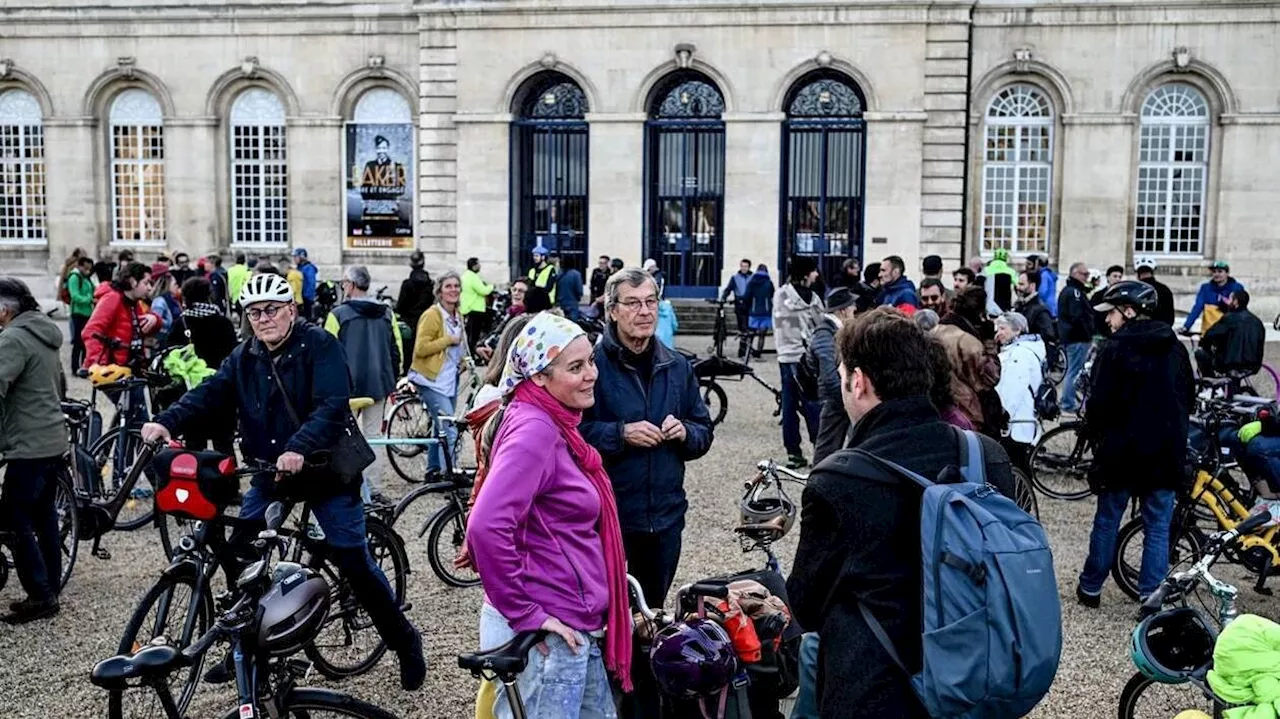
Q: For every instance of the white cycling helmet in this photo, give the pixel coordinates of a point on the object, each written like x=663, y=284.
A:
x=268, y=287
x=1147, y=262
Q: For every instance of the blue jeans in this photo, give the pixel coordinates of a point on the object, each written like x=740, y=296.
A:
x=27, y=509
x=1260, y=458
x=438, y=404
x=1077, y=353
x=1157, y=514
x=561, y=685
x=807, y=697
x=792, y=406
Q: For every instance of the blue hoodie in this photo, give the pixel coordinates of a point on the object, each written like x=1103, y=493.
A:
x=1211, y=295
x=901, y=291
x=1049, y=290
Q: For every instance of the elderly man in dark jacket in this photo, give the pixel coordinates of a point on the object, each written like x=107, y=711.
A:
x=309, y=365
x=1234, y=344
x=833, y=420
x=1075, y=330
x=33, y=440
x=860, y=527
x=1141, y=395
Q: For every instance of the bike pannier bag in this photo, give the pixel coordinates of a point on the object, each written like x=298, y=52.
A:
x=194, y=485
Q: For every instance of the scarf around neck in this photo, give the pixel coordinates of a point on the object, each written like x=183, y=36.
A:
x=618, y=627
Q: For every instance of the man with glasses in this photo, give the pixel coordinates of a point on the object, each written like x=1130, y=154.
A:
x=310, y=366
x=647, y=421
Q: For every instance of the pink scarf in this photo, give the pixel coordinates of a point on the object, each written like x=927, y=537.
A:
x=618, y=628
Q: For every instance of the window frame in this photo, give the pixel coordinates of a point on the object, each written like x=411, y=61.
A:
x=29, y=172
x=251, y=135
x=136, y=129
x=1201, y=123
x=1018, y=239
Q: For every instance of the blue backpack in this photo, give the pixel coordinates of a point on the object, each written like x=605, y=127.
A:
x=992, y=617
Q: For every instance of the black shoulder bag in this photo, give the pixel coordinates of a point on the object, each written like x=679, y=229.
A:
x=335, y=470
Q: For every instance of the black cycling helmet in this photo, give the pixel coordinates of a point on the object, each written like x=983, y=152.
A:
x=1170, y=646
x=291, y=614
x=1129, y=293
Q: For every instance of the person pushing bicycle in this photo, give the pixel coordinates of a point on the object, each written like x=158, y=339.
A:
x=288, y=355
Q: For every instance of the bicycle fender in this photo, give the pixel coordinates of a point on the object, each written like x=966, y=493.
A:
x=183, y=566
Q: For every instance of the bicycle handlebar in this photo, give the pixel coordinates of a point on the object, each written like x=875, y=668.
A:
x=1200, y=570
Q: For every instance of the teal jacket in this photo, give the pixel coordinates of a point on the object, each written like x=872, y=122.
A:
x=80, y=287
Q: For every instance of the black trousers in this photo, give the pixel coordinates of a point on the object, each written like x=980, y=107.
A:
x=477, y=325
x=652, y=558
x=77, y=342
x=27, y=509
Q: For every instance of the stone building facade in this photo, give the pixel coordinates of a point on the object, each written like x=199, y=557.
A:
x=694, y=133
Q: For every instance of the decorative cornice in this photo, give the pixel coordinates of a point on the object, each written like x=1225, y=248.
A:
x=483, y=118
x=896, y=116
x=1124, y=118
x=197, y=121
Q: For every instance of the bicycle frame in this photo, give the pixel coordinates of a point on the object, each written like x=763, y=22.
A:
x=1230, y=513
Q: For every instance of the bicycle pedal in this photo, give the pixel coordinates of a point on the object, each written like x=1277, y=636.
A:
x=102, y=553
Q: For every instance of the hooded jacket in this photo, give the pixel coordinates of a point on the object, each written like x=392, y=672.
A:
x=647, y=481
x=1237, y=342
x=1049, y=289
x=31, y=422
x=1141, y=393
x=974, y=368
x=417, y=293
x=796, y=311
x=370, y=337
x=900, y=293
x=113, y=317
x=1209, y=300
x=1075, y=314
x=759, y=297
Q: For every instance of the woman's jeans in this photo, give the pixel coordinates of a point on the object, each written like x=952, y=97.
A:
x=1077, y=353
x=1157, y=514
x=807, y=697
x=438, y=404
x=562, y=685
x=793, y=405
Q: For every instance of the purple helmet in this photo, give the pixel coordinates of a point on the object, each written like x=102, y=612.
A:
x=693, y=658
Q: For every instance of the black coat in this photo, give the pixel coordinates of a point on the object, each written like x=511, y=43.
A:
x=417, y=293
x=1164, y=301
x=860, y=537
x=1039, y=320
x=1237, y=342
x=1075, y=314
x=1141, y=394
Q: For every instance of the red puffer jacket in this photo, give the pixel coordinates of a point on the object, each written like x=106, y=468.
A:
x=112, y=318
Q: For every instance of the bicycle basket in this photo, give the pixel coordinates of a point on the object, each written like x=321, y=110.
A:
x=195, y=485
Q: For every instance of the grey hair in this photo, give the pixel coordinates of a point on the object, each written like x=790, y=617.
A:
x=358, y=275
x=926, y=319
x=1077, y=266
x=450, y=275
x=1014, y=321
x=633, y=276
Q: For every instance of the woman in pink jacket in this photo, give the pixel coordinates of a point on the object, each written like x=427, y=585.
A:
x=544, y=533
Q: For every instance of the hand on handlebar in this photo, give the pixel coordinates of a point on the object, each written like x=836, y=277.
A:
x=289, y=463
x=155, y=432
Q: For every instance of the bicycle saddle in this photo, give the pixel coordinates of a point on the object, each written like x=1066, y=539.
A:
x=509, y=659
x=149, y=662
x=75, y=410
x=359, y=403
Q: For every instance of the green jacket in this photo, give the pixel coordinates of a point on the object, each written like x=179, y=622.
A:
x=1000, y=267
x=474, y=290
x=31, y=423
x=1246, y=667
x=80, y=287
x=236, y=276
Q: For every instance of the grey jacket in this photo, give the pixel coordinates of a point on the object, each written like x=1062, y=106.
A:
x=793, y=322
x=31, y=422
x=368, y=334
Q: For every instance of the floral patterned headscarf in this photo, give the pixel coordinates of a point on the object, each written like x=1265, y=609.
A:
x=542, y=340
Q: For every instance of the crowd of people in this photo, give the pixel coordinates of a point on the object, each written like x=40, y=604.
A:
x=583, y=447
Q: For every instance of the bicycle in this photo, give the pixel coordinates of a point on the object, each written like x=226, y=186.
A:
x=266, y=678
x=1265, y=382
x=1211, y=494
x=1175, y=590
x=717, y=366
x=1061, y=459
x=409, y=417
x=186, y=586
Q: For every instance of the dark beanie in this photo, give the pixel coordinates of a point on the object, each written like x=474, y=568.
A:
x=800, y=266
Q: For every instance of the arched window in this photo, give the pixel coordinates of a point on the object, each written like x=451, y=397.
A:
x=259, y=169
x=549, y=177
x=823, y=166
x=1173, y=172
x=380, y=151
x=21, y=168
x=1017, y=171
x=137, y=167
x=684, y=183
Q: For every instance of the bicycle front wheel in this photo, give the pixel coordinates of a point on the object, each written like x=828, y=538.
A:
x=322, y=704
x=1024, y=494
x=112, y=457
x=1060, y=462
x=175, y=610
x=446, y=531
x=64, y=503
x=716, y=400
x=409, y=419
x=1184, y=548
x=1145, y=698
x=348, y=643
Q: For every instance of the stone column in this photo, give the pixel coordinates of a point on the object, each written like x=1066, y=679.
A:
x=896, y=171
x=616, y=213
x=483, y=181
x=753, y=159
x=1097, y=190
x=190, y=184
x=316, y=198
x=71, y=208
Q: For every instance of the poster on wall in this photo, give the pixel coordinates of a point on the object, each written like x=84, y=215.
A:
x=379, y=186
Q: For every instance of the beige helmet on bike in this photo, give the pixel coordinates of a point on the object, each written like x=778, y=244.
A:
x=268, y=287
x=766, y=502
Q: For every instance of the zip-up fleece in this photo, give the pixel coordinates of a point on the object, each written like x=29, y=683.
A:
x=533, y=531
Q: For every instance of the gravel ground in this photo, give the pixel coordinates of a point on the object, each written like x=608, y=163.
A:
x=44, y=667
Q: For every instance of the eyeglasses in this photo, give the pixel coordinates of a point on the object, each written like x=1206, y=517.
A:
x=268, y=312
x=635, y=305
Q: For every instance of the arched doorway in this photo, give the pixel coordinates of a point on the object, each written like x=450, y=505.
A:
x=684, y=183
x=823, y=171
x=549, y=171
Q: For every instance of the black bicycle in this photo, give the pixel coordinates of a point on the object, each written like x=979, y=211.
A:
x=266, y=669
x=717, y=367
x=181, y=604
